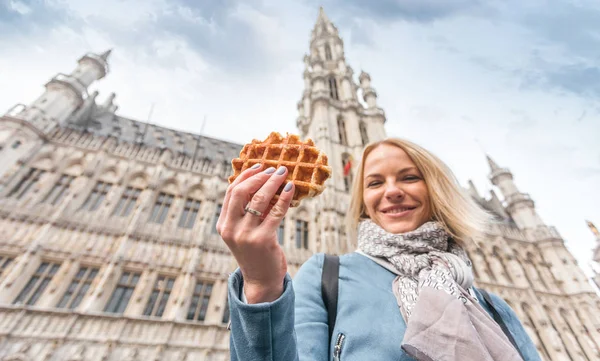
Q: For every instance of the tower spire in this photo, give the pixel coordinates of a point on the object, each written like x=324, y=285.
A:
x=324, y=28
x=493, y=166
x=330, y=113
x=518, y=204
x=594, y=230
x=106, y=54
x=322, y=19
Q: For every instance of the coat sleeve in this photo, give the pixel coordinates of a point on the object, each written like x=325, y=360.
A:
x=524, y=342
x=293, y=327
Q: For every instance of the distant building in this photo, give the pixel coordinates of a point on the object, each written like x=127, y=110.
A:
x=108, y=248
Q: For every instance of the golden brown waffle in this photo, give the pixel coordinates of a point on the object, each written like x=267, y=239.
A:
x=307, y=166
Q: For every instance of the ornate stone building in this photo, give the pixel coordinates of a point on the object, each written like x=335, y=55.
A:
x=108, y=248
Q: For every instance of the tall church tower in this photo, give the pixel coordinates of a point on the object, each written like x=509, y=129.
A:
x=563, y=275
x=67, y=95
x=340, y=123
x=65, y=100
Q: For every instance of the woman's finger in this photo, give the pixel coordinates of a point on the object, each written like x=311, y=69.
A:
x=244, y=191
x=280, y=208
x=262, y=198
x=242, y=177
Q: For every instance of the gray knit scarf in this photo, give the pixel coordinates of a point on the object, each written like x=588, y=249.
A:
x=434, y=276
x=427, y=256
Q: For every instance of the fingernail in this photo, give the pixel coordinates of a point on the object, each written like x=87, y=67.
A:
x=288, y=187
x=270, y=170
x=280, y=171
x=256, y=166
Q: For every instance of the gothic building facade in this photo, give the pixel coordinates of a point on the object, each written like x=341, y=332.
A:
x=108, y=247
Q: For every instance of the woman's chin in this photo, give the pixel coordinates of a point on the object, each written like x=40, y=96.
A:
x=399, y=227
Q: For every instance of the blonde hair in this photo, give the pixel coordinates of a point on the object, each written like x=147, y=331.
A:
x=458, y=213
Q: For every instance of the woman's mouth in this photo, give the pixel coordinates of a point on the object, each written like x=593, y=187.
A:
x=398, y=211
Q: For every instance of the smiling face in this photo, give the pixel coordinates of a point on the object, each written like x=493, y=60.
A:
x=395, y=195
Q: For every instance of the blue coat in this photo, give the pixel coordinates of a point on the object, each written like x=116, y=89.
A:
x=294, y=327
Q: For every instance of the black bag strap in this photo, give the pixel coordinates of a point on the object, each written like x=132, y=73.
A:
x=500, y=321
x=329, y=289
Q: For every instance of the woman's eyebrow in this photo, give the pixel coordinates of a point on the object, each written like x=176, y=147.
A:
x=403, y=170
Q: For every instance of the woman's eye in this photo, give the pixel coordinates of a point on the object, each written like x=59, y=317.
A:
x=411, y=178
x=372, y=184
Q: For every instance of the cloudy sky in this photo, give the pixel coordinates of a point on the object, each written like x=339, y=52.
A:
x=461, y=77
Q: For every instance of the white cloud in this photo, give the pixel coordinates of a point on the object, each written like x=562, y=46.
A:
x=20, y=7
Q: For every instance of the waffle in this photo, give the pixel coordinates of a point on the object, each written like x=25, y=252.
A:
x=307, y=166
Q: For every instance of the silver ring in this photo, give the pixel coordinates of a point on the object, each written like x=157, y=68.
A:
x=253, y=211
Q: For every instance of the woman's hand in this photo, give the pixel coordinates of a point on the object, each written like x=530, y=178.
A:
x=252, y=238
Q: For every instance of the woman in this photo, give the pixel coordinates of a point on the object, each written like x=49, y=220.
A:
x=407, y=290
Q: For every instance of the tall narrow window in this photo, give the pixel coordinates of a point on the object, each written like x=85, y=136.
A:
x=4, y=262
x=120, y=297
x=95, y=199
x=190, y=213
x=216, y=218
x=531, y=263
x=301, y=234
x=226, y=169
x=161, y=208
x=205, y=166
x=160, y=296
x=328, y=52
x=280, y=231
x=496, y=253
x=333, y=90
x=226, y=314
x=342, y=131
x=363, y=133
x=78, y=288
x=200, y=298
x=59, y=190
x=127, y=201
x=30, y=179
x=37, y=283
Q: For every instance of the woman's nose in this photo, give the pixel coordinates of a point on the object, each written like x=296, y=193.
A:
x=392, y=191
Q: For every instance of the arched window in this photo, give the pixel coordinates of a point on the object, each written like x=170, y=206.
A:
x=328, y=52
x=498, y=256
x=363, y=133
x=342, y=131
x=531, y=264
x=333, y=90
x=96, y=197
x=191, y=207
x=127, y=201
x=161, y=207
